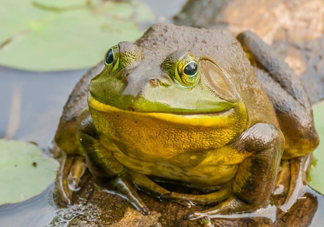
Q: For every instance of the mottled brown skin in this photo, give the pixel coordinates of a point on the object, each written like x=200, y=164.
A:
x=246, y=125
x=287, y=95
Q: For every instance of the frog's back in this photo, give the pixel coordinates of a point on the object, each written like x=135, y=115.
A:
x=65, y=136
x=287, y=94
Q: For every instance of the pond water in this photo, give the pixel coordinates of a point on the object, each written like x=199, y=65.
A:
x=37, y=211
x=41, y=97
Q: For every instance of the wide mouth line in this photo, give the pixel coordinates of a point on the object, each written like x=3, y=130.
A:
x=192, y=114
x=184, y=114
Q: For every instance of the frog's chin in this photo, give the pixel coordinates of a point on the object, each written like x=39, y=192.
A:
x=221, y=119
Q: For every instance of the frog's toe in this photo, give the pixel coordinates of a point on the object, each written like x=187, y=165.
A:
x=77, y=170
x=71, y=170
x=283, y=178
x=206, y=199
x=222, y=210
x=127, y=190
x=194, y=216
x=298, y=168
x=171, y=197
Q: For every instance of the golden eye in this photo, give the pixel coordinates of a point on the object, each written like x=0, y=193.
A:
x=187, y=72
x=112, y=58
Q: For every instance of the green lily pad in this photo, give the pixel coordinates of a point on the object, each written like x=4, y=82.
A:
x=44, y=35
x=24, y=172
x=317, y=172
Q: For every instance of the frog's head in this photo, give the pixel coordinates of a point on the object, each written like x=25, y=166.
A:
x=157, y=74
x=171, y=81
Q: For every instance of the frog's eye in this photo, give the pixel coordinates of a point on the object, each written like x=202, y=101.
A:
x=187, y=72
x=112, y=58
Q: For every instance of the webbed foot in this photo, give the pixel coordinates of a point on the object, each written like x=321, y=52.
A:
x=227, y=207
x=292, y=180
x=71, y=170
x=125, y=188
x=283, y=178
x=206, y=199
x=297, y=184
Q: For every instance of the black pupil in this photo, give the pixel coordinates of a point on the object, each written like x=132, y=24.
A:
x=110, y=57
x=190, y=69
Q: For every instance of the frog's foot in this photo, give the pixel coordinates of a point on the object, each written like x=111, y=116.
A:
x=226, y=208
x=207, y=199
x=126, y=184
x=148, y=185
x=283, y=178
x=254, y=181
x=298, y=168
x=71, y=170
x=202, y=188
x=125, y=188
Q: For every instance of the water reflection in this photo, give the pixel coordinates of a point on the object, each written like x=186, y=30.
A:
x=42, y=98
x=37, y=211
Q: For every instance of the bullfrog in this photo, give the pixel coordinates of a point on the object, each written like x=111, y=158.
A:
x=195, y=107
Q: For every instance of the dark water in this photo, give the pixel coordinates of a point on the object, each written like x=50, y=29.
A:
x=318, y=219
x=37, y=211
x=41, y=97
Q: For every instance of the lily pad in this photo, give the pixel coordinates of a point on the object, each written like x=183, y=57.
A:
x=317, y=172
x=47, y=35
x=24, y=172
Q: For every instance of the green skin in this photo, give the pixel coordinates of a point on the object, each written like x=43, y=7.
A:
x=223, y=130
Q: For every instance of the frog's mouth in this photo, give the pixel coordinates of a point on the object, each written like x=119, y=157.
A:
x=221, y=118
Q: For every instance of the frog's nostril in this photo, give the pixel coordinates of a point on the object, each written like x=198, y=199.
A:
x=125, y=76
x=154, y=82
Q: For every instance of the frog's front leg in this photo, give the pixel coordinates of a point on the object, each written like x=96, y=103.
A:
x=108, y=172
x=72, y=168
x=256, y=176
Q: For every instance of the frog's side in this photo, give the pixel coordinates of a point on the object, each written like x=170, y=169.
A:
x=218, y=130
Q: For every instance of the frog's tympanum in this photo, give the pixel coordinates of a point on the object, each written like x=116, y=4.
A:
x=191, y=106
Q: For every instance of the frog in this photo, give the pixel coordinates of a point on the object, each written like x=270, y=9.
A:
x=189, y=106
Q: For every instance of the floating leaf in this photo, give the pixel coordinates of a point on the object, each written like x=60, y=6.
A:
x=24, y=172
x=65, y=34
x=316, y=175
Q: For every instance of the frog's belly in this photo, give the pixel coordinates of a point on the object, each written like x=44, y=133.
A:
x=201, y=174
